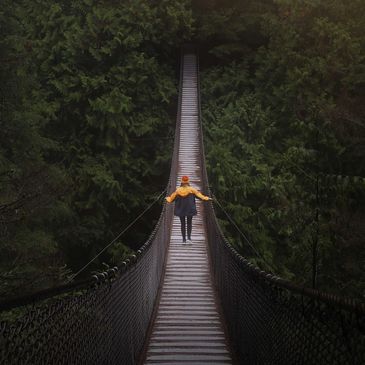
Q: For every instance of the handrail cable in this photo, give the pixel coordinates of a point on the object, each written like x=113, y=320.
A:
x=242, y=234
x=118, y=236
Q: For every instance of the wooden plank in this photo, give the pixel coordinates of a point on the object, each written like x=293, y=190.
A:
x=188, y=357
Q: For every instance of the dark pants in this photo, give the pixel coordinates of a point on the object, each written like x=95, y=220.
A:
x=189, y=220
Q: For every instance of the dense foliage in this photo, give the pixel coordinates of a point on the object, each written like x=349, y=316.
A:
x=283, y=108
x=89, y=89
x=88, y=102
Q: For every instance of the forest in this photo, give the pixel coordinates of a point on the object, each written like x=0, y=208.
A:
x=88, y=92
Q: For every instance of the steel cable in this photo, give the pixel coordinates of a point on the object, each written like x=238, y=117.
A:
x=118, y=235
x=242, y=234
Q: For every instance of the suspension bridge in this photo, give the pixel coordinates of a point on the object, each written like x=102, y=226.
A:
x=184, y=304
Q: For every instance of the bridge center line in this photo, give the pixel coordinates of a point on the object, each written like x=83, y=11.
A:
x=187, y=327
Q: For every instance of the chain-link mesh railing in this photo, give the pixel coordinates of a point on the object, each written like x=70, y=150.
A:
x=99, y=321
x=102, y=323
x=272, y=321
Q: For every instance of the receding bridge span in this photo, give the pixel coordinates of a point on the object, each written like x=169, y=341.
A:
x=184, y=304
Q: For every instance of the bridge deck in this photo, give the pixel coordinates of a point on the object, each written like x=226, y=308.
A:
x=188, y=329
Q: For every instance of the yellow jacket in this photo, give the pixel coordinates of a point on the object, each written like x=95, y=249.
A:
x=184, y=191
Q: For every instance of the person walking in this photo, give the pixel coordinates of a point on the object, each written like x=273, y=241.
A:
x=185, y=207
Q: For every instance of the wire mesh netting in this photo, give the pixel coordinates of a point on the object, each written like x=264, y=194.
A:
x=104, y=323
x=271, y=324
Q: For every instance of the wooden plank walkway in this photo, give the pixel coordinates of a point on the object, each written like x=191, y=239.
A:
x=188, y=329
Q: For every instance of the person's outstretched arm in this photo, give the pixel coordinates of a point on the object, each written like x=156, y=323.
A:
x=199, y=195
x=171, y=198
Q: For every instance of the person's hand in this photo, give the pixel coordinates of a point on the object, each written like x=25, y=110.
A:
x=210, y=199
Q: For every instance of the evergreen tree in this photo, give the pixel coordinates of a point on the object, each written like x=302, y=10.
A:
x=95, y=113
x=299, y=177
